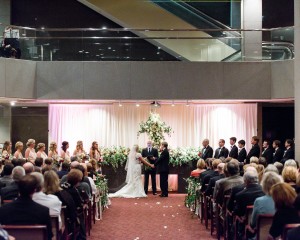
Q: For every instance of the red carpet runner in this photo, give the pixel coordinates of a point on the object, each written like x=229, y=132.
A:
x=147, y=219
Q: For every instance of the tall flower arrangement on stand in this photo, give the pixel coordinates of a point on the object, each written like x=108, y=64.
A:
x=155, y=128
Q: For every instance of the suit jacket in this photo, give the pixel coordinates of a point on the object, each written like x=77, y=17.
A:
x=221, y=152
x=268, y=154
x=208, y=153
x=254, y=152
x=10, y=192
x=212, y=182
x=242, y=155
x=24, y=211
x=234, y=191
x=288, y=154
x=203, y=175
x=234, y=152
x=153, y=153
x=277, y=155
x=162, y=163
x=207, y=178
x=247, y=197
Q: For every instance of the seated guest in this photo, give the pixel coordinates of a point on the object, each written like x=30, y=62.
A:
x=91, y=173
x=7, y=178
x=212, y=182
x=269, y=168
x=291, y=163
x=207, y=177
x=255, y=150
x=95, y=166
x=278, y=152
x=65, y=166
x=289, y=175
x=222, y=151
x=85, y=184
x=289, y=152
x=294, y=234
x=24, y=211
x=283, y=196
x=91, y=181
x=73, y=165
x=207, y=151
x=28, y=167
x=50, y=201
x=39, y=162
x=209, y=170
x=263, y=161
x=254, y=160
x=200, y=168
x=267, y=152
x=242, y=153
x=279, y=167
x=11, y=191
x=49, y=161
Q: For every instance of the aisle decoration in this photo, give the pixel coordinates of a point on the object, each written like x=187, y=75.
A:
x=155, y=128
x=101, y=184
x=192, y=188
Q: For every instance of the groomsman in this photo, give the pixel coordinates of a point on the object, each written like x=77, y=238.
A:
x=162, y=165
x=242, y=153
x=207, y=151
x=255, y=150
x=278, y=152
x=152, y=154
x=267, y=152
x=221, y=151
x=289, y=153
x=233, y=148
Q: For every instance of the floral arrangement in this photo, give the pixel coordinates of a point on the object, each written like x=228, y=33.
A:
x=114, y=156
x=192, y=186
x=155, y=128
x=101, y=184
x=179, y=156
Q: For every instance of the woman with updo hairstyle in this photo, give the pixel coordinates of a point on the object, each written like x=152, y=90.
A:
x=19, y=148
x=30, y=153
x=6, y=151
x=41, y=147
x=79, y=150
x=290, y=175
x=65, y=155
x=53, y=151
x=200, y=168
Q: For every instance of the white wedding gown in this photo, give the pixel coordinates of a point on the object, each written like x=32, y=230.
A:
x=134, y=187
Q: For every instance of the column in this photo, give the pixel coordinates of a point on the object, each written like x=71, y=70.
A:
x=252, y=19
x=5, y=123
x=297, y=78
x=4, y=14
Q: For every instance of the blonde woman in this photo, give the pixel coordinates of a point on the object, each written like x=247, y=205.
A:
x=79, y=151
x=41, y=147
x=6, y=151
x=30, y=153
x=19, y=148
x=53, y=151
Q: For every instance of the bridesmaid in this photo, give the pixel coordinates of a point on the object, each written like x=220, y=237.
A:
x=19, y=148
x=6, y=151
x=53, y=151
x=79, y=149
x=65, y=155
x=94, y=152
x=30, y=153
x=41, y=151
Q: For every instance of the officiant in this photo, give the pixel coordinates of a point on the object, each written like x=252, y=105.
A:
x=151, y=154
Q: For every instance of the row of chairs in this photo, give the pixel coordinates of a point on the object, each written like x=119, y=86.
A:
x=223, y=221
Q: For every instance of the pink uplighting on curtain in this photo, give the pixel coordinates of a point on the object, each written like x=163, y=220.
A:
x=112, y=125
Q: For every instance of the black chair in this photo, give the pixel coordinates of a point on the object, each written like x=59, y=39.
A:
x=27, y=232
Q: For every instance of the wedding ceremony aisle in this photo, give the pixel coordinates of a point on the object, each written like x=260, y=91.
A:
x=149, y=218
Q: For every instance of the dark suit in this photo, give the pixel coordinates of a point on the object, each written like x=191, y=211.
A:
x=234, y=152
x=277, y=155
x=288, y=154
x=293, y=234
x=24, y=211
x=10, y=192
x=268, y=154
x=212, y=182
x=145, y=153
x=221, y=152
x=207, y=152
x=234, y=191
x=242, y=155
x=207, y=178
x=162, y=165
x=254, y=152
x=203, y=175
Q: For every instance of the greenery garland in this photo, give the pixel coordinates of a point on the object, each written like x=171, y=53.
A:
x=101, y=184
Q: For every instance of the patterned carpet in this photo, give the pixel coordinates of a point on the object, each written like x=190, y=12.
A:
x=149, y=218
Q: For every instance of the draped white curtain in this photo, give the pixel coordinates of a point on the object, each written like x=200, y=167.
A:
x=112, y=125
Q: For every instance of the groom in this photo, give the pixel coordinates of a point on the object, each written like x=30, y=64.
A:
x=152, y=154
x=162, y=164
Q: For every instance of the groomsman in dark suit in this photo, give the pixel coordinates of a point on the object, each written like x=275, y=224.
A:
x=234, y=152
x=152, y=155
x=255, y=150
x=289, y=153
x=267, y=152
x=222, y=151
x=278, y=152
x=162, y=165
x=242, y=153
x=207, y=151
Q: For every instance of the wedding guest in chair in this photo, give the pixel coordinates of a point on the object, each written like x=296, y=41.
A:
x=200, y=168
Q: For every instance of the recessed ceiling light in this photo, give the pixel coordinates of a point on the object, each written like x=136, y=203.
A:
x=12, y=103
x=109, y=48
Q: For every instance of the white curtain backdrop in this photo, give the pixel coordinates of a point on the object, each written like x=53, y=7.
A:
x=112, y=125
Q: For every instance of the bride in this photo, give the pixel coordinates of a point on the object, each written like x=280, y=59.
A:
x=134, y=187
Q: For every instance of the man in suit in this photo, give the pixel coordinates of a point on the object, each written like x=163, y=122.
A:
x=212, y=182
x=221, y=151
x=207, y=151
x=289, y=153
x=209, y=170
x=242, y=153
x=162, y=165
x=152, y=155
x=233, y=148
x=278, y=152
x=24, y=211
x=267, y=152
x=214, y=173
x=255, y=150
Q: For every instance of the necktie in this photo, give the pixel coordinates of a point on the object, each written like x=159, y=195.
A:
x=149, y=150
